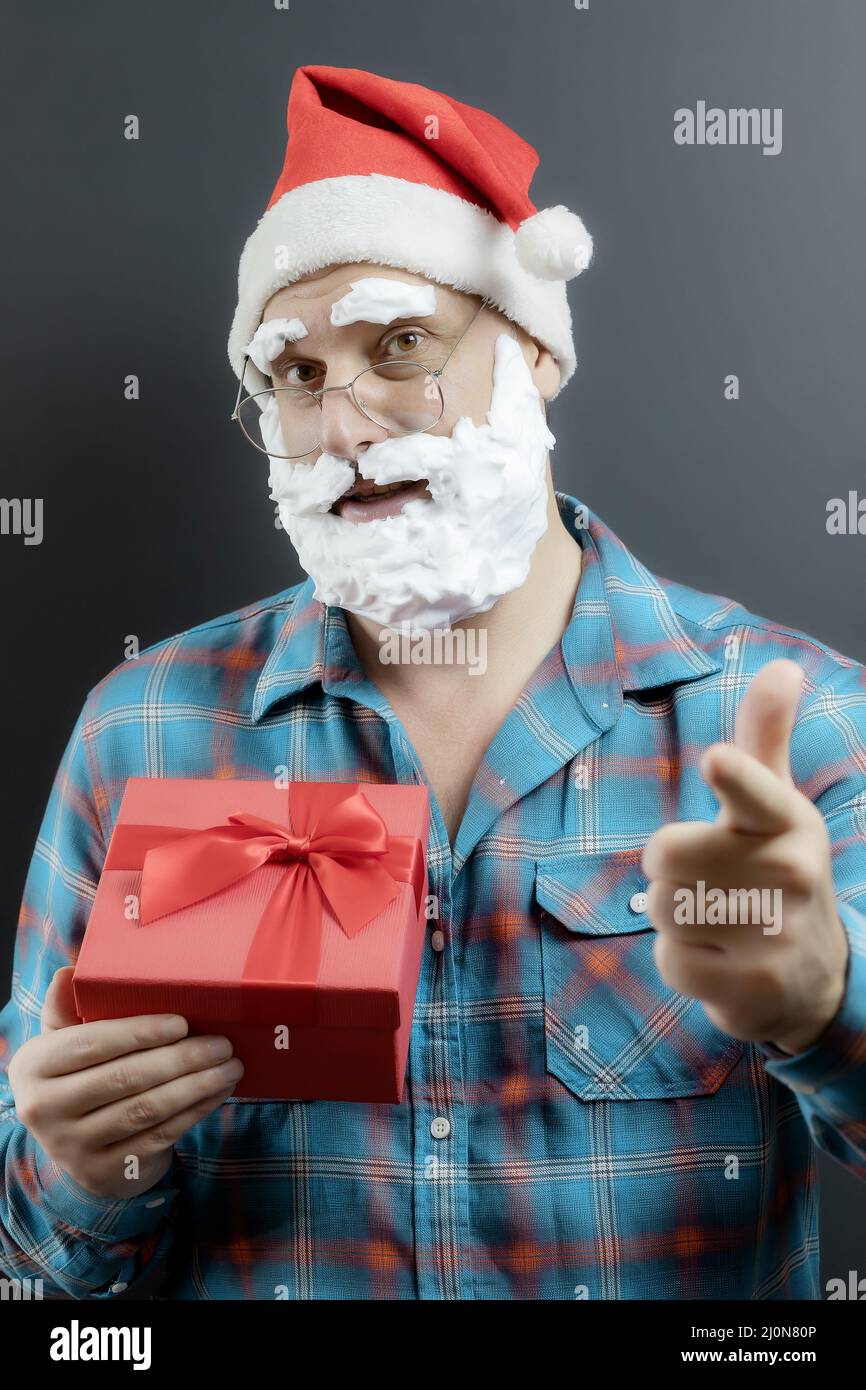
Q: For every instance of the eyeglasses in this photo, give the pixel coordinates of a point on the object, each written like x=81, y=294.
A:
x=401, y=396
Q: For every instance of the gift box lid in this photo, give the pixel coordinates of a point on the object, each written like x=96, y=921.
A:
x=191, y=961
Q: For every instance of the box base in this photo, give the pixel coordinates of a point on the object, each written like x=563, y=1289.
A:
x=318, y=1063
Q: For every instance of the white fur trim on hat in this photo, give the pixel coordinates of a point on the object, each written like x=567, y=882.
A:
x=391, y=221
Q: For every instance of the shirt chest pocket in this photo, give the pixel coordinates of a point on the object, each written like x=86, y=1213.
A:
x=613, y=1030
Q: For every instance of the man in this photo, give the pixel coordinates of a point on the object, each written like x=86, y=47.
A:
x=643, y=992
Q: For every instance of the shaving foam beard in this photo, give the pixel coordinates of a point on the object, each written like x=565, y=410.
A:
x=437, y=561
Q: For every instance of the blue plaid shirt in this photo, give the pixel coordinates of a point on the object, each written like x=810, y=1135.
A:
x=571, y=1127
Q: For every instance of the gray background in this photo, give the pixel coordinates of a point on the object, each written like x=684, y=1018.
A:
x=121, y=257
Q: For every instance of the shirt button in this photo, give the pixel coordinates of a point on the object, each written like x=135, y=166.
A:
x=118, y=1288
x=437, y=940
x=440, y=1128
x=157, y=1202
x=637, y=902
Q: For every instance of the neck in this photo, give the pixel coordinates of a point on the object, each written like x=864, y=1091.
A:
x=514, y=635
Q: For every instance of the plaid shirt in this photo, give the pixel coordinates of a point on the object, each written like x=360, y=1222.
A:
x=571, y=1127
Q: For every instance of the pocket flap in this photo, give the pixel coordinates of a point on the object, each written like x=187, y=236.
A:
x=594, y=894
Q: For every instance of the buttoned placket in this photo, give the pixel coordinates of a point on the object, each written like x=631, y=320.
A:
x=436, y=1080
x=435, y=1083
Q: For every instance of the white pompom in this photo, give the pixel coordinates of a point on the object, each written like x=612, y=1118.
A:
x=553, y=244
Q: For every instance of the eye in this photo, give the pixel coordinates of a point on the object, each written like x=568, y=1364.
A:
x=407, y=340
x=296, y=373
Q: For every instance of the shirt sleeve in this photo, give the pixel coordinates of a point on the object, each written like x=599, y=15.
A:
x=51, y=1229
x=829, y=765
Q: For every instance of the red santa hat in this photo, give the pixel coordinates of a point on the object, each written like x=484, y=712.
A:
x=401, y=175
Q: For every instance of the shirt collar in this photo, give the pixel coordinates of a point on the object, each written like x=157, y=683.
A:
x=623, y=628
x=651, y=644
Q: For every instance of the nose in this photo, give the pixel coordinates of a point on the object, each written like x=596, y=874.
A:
x=345, y=430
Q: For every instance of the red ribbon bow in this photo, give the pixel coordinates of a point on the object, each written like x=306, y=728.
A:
x=346, y=858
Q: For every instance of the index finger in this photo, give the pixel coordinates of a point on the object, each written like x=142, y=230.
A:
x=85, y=1045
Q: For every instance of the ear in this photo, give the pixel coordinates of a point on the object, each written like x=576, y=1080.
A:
x=545, y=373
x=541, y=363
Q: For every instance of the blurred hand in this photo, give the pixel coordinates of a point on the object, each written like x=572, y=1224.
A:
x=783, y=986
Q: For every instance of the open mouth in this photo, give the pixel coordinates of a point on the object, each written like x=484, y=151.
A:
x=368, y=501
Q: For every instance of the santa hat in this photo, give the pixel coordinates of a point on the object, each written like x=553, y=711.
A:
x=397, y=174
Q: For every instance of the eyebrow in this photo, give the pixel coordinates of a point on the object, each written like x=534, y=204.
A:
x=436, y=321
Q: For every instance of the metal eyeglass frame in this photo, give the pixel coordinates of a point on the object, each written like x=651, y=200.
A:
x=317, y=395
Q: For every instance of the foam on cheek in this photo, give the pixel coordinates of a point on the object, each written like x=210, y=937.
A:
x=474, y=465
x=377, y=300
x=301, y=487
x=269, y=340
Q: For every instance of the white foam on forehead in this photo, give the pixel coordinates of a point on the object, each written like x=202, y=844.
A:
x=378, y=300
x=270, y=338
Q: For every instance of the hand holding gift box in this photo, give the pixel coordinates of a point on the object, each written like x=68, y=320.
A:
x=291, y=920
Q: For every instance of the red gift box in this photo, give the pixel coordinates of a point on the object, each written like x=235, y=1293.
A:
x=291, y=920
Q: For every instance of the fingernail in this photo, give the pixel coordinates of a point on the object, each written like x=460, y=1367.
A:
x=174, y=1026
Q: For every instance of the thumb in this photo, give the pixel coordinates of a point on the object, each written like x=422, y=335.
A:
x=766, y=715
x=58, y=1009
